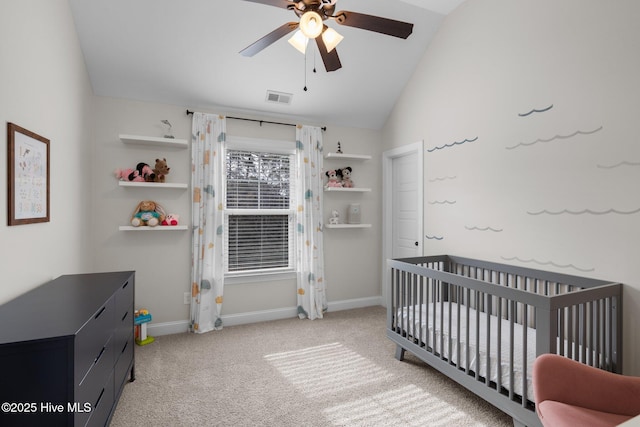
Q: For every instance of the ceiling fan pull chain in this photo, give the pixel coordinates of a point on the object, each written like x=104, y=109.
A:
x=305, y=71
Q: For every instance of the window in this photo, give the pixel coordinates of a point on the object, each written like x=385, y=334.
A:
x=258, y=212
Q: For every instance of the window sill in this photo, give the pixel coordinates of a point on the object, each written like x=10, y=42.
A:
x=231, y=279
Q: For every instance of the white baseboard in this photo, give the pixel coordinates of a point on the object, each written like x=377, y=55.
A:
x=168, y=328
x=355, y=303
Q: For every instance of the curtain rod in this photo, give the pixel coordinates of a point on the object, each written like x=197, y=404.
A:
x=259, y=121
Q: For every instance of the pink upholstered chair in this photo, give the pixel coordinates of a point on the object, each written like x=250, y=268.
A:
x=570, y=393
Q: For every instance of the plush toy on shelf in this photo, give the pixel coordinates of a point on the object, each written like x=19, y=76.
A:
x=128, y=175
x=160, y=170
x=345, y=174
x=171, y=219
x=334, y=180
x=148, y=213
x=142, y=173
x=335, y=217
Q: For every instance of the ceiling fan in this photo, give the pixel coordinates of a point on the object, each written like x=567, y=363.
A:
x=312, y=14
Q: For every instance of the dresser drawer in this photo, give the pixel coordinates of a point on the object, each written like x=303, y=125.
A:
x=124, y=329
x=90, y=388
x=123, y=363
x=92, y=338
x=124, y=298
x=102, y=406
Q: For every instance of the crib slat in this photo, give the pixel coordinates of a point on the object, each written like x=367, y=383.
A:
x=459, y=298
x=488, y=358
x=420, y=304
x=561, y=322
x=511, y=346
x=449, y=327
x=597, y=327
x=525, y=342
x=477, y=336
x=499, y=350
x=467, y=334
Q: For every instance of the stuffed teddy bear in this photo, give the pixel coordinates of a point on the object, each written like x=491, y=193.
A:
x=171, y=219
x=160, y=170
x=148, y=213
x=334, y=180
x=345, y=173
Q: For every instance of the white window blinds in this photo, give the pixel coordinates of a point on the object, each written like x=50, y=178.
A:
x=258, y=211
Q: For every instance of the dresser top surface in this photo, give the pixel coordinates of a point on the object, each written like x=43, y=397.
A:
x=60, y=307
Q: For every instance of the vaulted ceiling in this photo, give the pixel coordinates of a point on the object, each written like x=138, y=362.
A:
x=186, y=52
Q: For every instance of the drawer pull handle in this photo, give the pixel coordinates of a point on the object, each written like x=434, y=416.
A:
x=125, y=346
x=100, y=354
x=98, y=401
x=125, y=316
x=100, y=312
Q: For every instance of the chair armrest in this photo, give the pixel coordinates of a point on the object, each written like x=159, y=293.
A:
x=564, y=380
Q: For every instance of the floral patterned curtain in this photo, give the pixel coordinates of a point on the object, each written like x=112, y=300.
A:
x=312, y=299
x=208, y=134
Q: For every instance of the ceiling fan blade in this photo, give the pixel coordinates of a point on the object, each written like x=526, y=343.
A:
x=387, y=26
x=277, y=3
x=270, y=38
x=330, y=59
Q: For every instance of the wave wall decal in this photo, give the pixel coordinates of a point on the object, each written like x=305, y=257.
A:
x=442, y=147
x=585, y=211
x=495, y=230
x=532, y=260
x=442, y=178
x=433, y=237
x=443, y=202
x=578, y=132
x=536, y=111
x=617, y=165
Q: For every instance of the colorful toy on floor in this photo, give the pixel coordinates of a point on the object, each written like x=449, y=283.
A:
x=140, y=320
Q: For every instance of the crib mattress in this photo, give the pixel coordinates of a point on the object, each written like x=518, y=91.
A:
x=419, y=320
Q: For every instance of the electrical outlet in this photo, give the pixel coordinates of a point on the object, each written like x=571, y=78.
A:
x=187, y=298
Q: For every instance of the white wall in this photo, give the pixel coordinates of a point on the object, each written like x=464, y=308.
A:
x=162, y=260
x=493, y=60
x=44, y=88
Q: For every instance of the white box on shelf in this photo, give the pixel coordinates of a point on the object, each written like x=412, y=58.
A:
x=353, y=214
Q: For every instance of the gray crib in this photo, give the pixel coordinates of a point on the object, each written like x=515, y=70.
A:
x=483, y=323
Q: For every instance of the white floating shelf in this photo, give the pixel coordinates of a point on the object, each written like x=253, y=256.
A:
x=152, y=184
x=353, y=189
x=347, y=225
x=347, y=156
x=156, y=228
x=154, y=141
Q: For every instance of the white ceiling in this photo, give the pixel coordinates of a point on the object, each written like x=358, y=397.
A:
x=186, y=53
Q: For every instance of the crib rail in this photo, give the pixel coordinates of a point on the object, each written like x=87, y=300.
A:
x=476, y=318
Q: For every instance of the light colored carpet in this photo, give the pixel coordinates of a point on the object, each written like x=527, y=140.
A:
x=337, y=371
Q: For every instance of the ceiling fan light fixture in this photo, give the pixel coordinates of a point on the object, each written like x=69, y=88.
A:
x=331, y=38
x=299, y=41
x=311, y=24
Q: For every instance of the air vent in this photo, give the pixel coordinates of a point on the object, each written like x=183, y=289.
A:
x=279, y=97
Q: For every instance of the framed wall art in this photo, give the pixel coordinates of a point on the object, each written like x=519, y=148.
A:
x=28, y=181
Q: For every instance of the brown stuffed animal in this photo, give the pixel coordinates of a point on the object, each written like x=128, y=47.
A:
x=148, y=213
x=160, y=170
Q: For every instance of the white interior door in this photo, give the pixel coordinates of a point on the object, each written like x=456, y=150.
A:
x=405, y=212
x=402, y=205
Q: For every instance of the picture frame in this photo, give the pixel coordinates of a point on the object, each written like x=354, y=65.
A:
x=28, y=180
